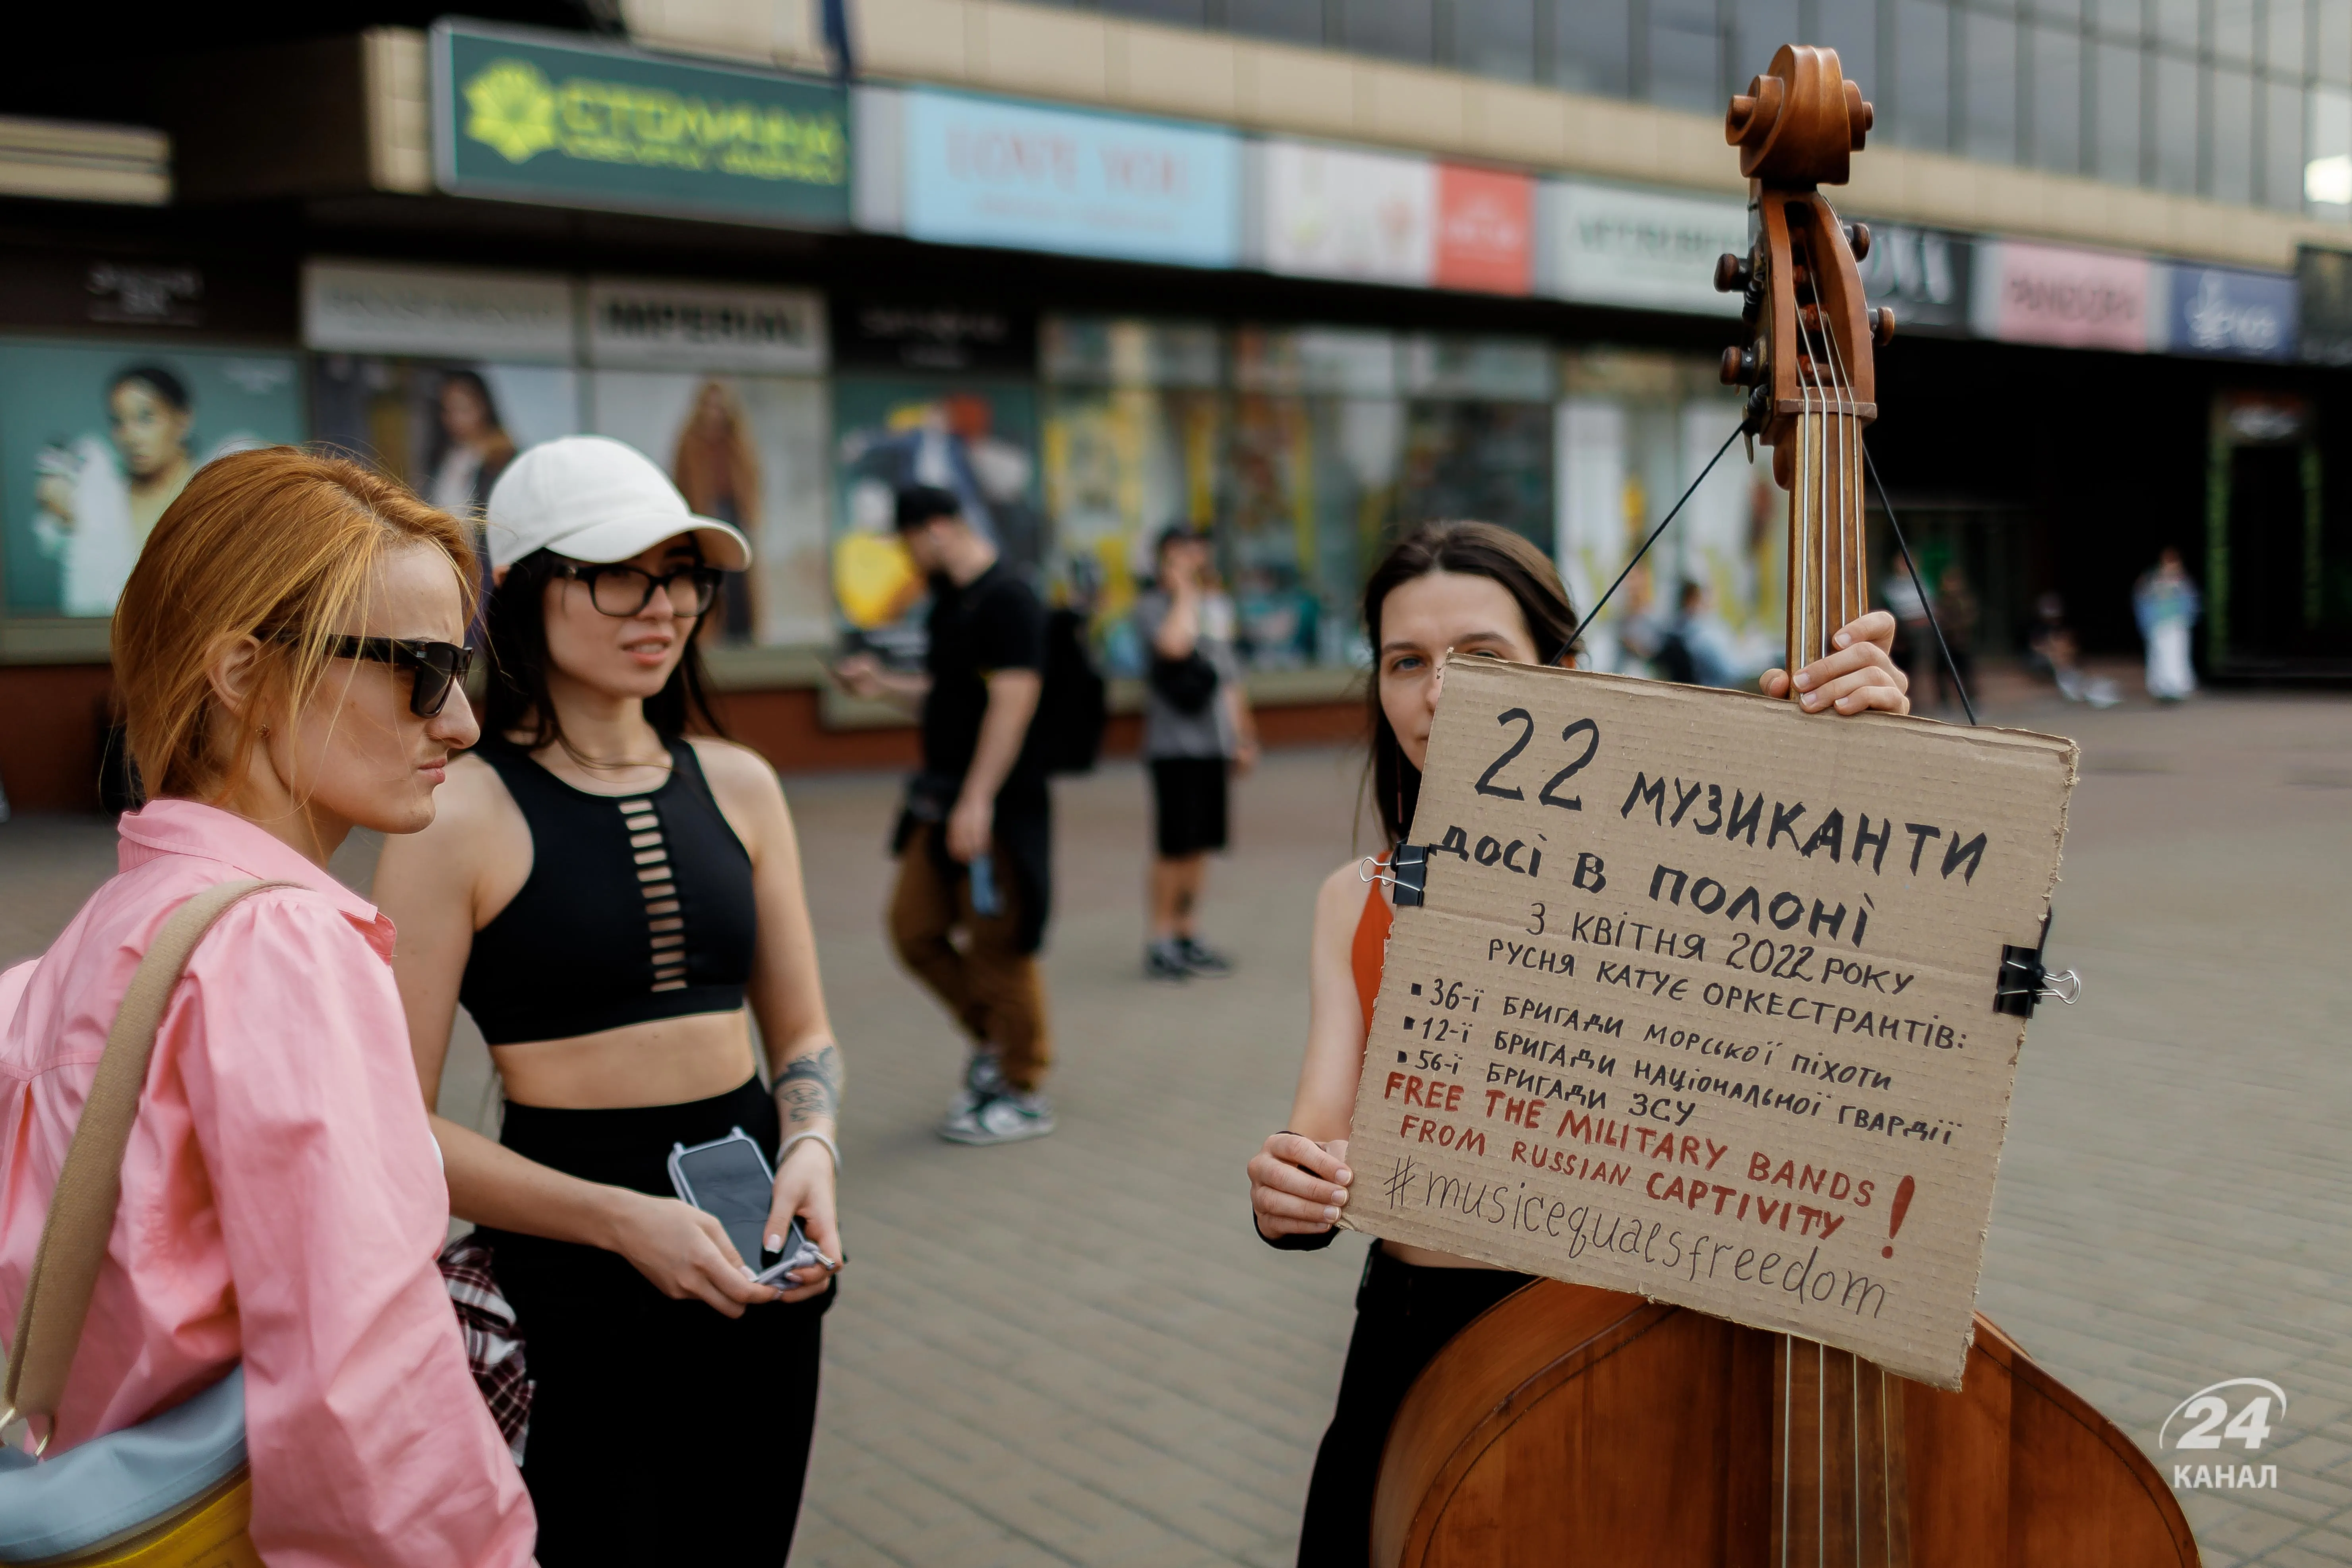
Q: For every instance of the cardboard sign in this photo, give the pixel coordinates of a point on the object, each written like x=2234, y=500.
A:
x=1700, y=1003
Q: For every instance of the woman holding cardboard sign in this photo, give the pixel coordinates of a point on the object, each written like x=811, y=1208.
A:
x=1460, y=590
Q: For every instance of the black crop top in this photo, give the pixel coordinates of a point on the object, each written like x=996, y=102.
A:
x=637, y=907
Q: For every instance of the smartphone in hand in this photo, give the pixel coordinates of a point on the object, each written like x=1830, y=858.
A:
x=728, y=1179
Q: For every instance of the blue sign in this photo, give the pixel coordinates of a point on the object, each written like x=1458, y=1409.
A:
x=980, y=170
x=2223, y=311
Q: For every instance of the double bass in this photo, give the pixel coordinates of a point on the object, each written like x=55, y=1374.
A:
x=1570, y=1425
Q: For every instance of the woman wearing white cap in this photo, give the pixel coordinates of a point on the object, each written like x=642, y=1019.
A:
x=604, y=894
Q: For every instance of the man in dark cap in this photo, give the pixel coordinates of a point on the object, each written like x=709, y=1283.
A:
x=974, y=841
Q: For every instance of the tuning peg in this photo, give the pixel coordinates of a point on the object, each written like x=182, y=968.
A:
x=1857, y=239
x=1882, y=325
x=1731, y=273
x=1740, y=367
x=1859, y=116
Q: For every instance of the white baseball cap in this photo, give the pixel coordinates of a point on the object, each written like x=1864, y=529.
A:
x=593, y=499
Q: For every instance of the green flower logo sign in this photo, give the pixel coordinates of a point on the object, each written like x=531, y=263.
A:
x=513, y=107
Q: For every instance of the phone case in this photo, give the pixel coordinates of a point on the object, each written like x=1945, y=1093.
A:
x=798, y=1252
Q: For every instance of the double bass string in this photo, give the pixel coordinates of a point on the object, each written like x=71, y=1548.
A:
x=1912, y=566
x=1672, y=512
x=1835, y=504
x=1935, y=624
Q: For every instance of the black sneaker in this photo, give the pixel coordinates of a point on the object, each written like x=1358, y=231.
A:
x=1164, y=962
x=1202, y=961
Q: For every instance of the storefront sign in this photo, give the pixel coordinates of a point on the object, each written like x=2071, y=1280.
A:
x=1485, y=230
x=129, y=295
x=1369, y=217
x=528, y=117
x=2224, y=311
x=353, y=308
x=2323, y=285
x=658, y=325
x=1617, y=247
x=2071, y=299
x=875, y=335
x=1922, y=274
x=245, y=291
x=982, y=170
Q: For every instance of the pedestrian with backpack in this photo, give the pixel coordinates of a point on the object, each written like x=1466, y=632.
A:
x=974, y=842
x=1198, y=732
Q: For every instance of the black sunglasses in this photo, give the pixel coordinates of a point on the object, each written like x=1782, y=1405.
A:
x=436, y=668
x=622, y=591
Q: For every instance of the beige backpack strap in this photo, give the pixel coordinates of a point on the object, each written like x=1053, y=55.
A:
x=90, y=1183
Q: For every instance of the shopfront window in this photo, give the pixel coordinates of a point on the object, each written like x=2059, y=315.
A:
x=1305, y=451
x=2057, y=100
x=1495, y=37
x=1632, y=431
x=1133, y=429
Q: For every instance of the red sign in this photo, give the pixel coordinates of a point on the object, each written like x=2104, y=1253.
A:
x=1485, y=230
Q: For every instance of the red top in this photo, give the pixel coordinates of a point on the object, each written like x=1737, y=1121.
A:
x=1368, y=952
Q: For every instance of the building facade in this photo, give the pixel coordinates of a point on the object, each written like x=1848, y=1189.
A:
x=1300, y=273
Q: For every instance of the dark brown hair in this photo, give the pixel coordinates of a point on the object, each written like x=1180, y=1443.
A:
x=1474, y=550
x=517, y=697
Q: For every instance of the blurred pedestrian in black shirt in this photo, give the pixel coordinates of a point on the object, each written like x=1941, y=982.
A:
x=974, y=842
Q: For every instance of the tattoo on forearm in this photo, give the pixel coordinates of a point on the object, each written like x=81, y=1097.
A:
x=810, y=1086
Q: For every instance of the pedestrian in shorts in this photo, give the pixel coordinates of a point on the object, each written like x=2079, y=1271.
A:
x=1198, y=731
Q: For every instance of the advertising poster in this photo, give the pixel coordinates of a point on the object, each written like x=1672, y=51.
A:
x=97, y=440
x=439, y=375
x=446, y=427
x=750, y=450
x=977, y=439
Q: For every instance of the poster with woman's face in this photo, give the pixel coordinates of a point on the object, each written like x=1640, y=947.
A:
x=446, y=428
x=98, y=440
x=750, y=450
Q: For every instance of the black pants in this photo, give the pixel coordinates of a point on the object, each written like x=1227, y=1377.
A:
x=660, y=1431
x=1404, y=1315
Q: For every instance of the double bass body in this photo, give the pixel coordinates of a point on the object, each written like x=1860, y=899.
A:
x=1570, y=1425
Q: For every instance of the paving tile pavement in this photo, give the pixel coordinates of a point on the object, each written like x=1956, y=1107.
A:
x=1073, y=1351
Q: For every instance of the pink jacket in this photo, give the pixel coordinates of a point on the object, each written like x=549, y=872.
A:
x=282, y=1203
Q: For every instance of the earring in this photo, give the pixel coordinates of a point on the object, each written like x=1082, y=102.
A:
x=265, y=731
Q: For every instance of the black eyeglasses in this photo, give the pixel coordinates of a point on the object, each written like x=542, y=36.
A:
x=625, y=591
x=436, y=668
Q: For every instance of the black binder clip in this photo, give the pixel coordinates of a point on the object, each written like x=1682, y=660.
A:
x=1407, y=874
x=2021, y=981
